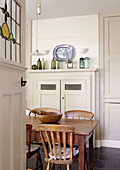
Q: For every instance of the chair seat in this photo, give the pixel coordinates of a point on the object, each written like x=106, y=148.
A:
x=75, y=152
x=33, y=148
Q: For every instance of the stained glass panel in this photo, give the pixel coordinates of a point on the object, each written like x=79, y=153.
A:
x=2, y=41
x=18, y=37
x=10, y=30
x=2, y=48
x=13, y=9
x=8, y=50
x=18, y=14
x=13, y=52
x=18, y=53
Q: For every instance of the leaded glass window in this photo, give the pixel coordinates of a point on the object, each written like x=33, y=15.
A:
x=10, y=30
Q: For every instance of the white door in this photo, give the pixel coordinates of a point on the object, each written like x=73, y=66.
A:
x=47, y=94
x=12, y=95
x=112, y=81
x=75, y=94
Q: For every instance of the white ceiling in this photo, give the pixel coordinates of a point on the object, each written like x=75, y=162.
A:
x=67, y=8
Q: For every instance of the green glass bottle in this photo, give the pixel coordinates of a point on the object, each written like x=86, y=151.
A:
x=57, y=64
x=53, y=64
x=82, y=63
x=39, y=64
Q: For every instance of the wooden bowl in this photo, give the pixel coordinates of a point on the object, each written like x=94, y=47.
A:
x=49, y=117
x=44, y=109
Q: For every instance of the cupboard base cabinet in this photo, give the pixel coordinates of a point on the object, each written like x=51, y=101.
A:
x=62, y=89
x=112, y=121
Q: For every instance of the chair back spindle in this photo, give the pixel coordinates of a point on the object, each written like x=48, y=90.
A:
x=60, y=134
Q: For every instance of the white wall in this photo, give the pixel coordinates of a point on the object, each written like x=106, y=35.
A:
x=80, y=32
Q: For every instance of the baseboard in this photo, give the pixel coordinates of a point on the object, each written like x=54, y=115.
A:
x=106, y=143
x=110, y=143
x=96, y=144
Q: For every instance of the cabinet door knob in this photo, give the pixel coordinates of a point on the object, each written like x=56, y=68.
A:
x=62, y=97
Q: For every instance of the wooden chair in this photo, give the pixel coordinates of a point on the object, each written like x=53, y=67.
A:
x=59, y=154
x=81, y=114
x=36, y=111
x=45, y=109
x=32, y=149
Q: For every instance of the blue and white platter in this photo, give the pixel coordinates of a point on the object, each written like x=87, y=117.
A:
x=63, y=52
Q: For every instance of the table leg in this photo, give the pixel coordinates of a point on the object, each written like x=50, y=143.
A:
x=81, y=152
x=91, y=152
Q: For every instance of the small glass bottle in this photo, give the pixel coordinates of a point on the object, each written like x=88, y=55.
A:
x=82, y=63
x=39, y=64
x=69, y=64
x=53, y=64
x=43, y=64
x=57, y=64
x=87, y=62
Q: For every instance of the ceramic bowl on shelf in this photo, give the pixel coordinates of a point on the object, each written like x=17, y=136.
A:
x=49, y=117
x=84, y=50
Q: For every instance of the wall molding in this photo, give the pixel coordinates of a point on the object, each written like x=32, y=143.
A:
x=107, y=143
x=11, y=65
x=110, y=143
x=64, y=37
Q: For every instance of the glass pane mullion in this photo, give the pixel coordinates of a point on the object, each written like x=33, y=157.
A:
x=11, y=30
x=15, y=32
x=20, y=34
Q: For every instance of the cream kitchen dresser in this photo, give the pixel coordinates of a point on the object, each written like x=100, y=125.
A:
x=62, y=89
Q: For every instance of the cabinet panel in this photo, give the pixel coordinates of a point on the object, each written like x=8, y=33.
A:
x=75, y=94
x=112, y=121
x=49, y=100
x=112, y=80
x=75, y=101
x=47, y=94
x=112, y=57
x=112, y=36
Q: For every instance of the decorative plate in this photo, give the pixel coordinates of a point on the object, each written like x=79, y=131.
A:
x=63, y=52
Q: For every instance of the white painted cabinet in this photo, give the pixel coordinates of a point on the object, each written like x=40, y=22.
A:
x=112, y=121
x=62, y=89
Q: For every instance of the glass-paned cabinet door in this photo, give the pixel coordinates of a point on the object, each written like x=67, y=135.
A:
x=10, y=30
x=75, y=94
x=47, y=94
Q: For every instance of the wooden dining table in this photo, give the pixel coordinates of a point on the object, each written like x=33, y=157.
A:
x=84, y=130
